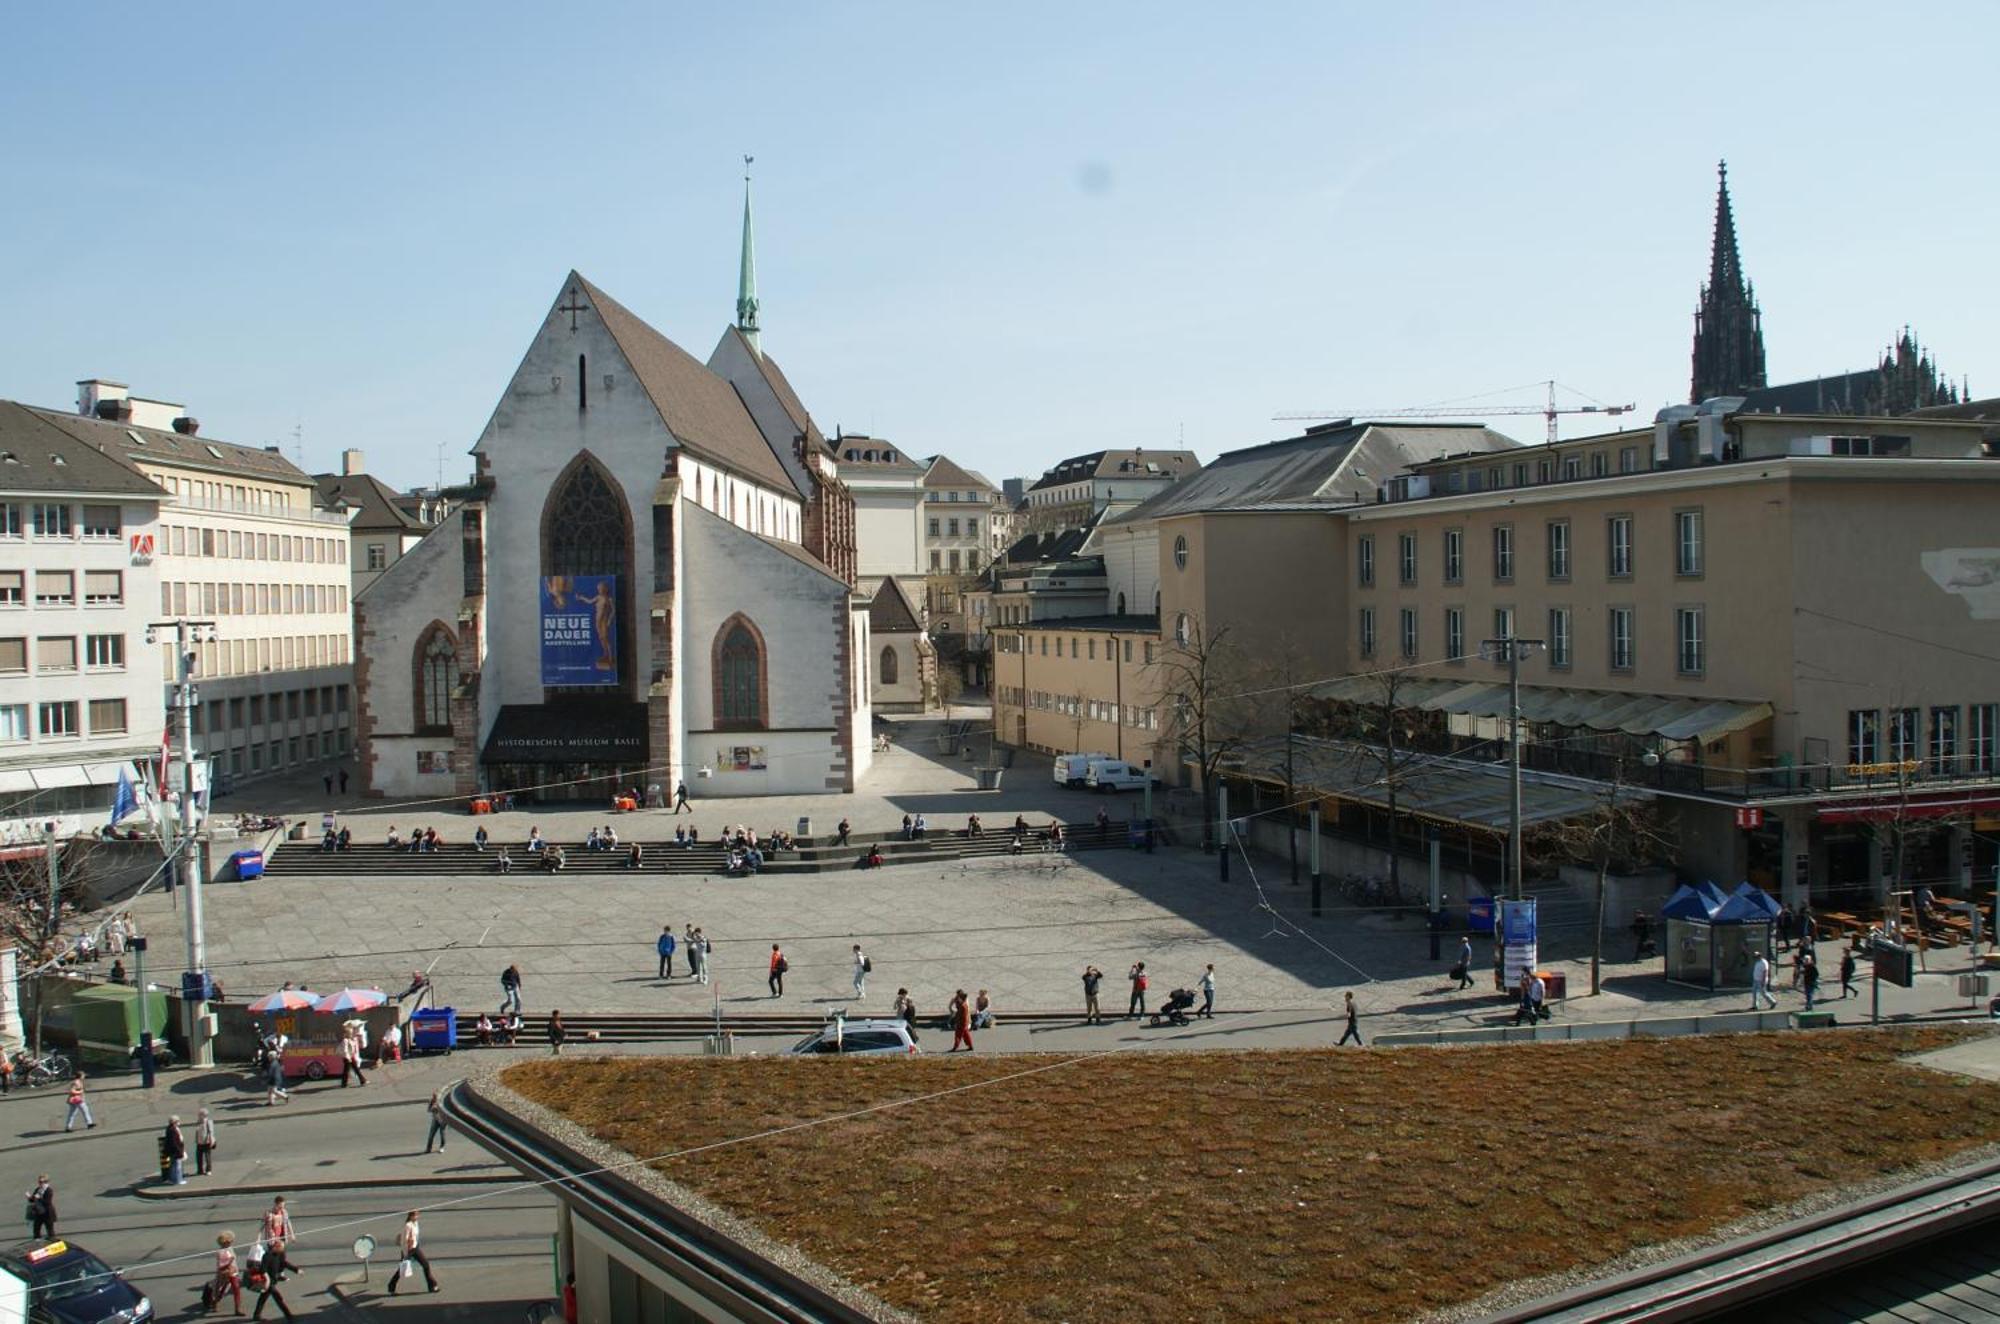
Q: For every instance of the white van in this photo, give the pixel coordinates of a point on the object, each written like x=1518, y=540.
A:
x=1113, y=775
x=1074, y=769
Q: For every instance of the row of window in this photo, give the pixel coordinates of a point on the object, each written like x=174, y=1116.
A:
x=229, y=599
x=57, y=588
x=950, y=496
x=248, y=545
x=237, y=496
x=220, y=715
x=243, y=657
x=1977, y=725
x=1084, y=648
x=1545, y=470
x=282, y=753
x=56, y=519
x=1621, y=636
x=951, y=526
x=62, y=720
x=1076, y=705
x=57, y=653
x=1688, y=551
x=958, y=563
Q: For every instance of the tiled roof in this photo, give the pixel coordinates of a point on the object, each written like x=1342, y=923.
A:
x=854, y=449
x=943, y=473
x=37, y=457
x=380, y=507
x=701, y=409
x=892, y=612
x=1120, y=463
x=127, y=442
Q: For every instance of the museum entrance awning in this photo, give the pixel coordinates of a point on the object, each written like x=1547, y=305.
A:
x=1444, y=789
x=1664, y=716
x=583, y=733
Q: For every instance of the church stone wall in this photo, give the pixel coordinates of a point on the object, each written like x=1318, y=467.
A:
x=906, y=695
x=798, y=610
x=424, y=585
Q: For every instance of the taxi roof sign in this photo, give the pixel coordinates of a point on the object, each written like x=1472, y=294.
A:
x=48, y=1252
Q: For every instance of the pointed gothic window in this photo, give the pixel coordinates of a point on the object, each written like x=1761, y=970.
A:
x=888, y=665
x=437, y=677
x=739, y=676
x=587, y=530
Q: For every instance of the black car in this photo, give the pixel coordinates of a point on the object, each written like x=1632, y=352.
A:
x=69, y=1285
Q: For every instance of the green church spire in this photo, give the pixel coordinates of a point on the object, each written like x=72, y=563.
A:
x=746, y=280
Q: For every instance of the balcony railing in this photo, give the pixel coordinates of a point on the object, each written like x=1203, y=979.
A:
x=1927, y=776
x=222, y=507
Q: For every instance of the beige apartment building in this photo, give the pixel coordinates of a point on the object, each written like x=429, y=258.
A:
x=1079, y=684
x=1798, y=615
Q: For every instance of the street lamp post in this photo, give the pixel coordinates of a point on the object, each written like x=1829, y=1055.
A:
x=1509, y=650
x=185, y=856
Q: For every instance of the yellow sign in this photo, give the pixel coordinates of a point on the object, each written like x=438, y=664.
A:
x=1880, y=769
x=48, y=1252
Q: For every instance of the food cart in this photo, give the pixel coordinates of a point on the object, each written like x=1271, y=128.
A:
x=313, y=1025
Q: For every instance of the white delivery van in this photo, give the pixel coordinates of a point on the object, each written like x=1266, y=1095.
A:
x=1074, y=769
x=1112, y=775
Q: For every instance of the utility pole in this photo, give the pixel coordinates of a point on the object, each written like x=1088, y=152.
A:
x=1509, y=650
x=185, y=858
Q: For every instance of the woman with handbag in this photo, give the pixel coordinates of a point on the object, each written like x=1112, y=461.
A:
x=408, y=1240
x=228, y=1277
x=204, y=1144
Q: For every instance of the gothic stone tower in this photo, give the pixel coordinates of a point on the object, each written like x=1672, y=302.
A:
x=1728, y=328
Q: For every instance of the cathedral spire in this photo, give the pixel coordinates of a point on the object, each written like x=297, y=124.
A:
x=1728, y=327
x=746, y=279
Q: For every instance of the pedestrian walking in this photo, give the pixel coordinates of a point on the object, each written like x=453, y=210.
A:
x=1208, y=992
x=79, y=1106
x=174, y=1150
x=277, y=1224
x=1810, y=979
x=436, y=1133
x=1847, y=974
x=703, y=947
x=1760, y=983
x=1462, y=972
x=778, y=967
x=961, y=1022
x=862, y=967
x=557, y=1032
x=410, y=1242
x=1136, y=1006
x=42, y=1208
x=7, y=1062
x=1092, y=977
x=1353, y=1030
x=665, y=947
x=681, y=799
x=274, y=1071
x=350, y=1056
x=841, y=834
x=204, y=1144
x=228, y=1274
x=510, y=988
x=275, y=1267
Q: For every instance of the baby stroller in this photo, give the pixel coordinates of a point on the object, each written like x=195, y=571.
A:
x=1175, y=1010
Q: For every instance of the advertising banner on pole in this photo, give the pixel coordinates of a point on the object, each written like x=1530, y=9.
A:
x=1517, y=939
x=580, y=630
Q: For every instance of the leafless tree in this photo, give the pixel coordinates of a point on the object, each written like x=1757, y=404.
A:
x=32, y=911
x=1385, y=729
x=1621, y=831
x=1200, y=677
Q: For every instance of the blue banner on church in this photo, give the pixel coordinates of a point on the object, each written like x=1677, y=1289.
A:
x=580, y=630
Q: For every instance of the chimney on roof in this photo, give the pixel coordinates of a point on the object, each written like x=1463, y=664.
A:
x=116, y=410
x=186, y=426
x=93, y=390
x=274, y=450
x=352, y=462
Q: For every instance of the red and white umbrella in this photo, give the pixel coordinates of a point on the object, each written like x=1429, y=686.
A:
x=285, y=999
x=351, y=999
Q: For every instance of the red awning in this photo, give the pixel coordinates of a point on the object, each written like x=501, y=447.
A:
x=1917, y=806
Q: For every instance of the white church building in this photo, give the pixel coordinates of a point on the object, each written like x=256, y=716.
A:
x=652, y=581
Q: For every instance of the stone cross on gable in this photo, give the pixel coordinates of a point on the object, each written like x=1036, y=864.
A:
x=573, y=307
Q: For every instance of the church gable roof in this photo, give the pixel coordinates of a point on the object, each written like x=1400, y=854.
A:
x=701, y=409
x=891, y=612
x=943, y=473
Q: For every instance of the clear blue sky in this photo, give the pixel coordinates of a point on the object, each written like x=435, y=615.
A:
x=1008, y=233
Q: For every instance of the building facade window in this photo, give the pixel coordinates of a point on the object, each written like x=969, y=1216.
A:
x=13, y=655
x=1572, y=467
x=1903, y=734
x=1406, y=557
x=1364, y=561
x=1558, y=551
x=1454, y=634
x=55, y=588
x=1981, y=719
x=1619, y=620
x=1367, y=632
x=59, y=720
x=1183, y=630
x=889, y=669
x=13, y=586
x=378, y=556
x=1559, y=637
x=102, y=522
x=1409, y=631
x=437, y=677
x=103, y=588
x=105, y=651
x=1690, y=645
x=1687, y=543
x=739, y=675
x=1628, y=460
x=107, y=716
x=1597, y=464
x=55, y=654
x=1864, y=736
x=1503, y=624
x=1180, y=551
x=1944, y=741
x=10, y=520
x=52, y=520
x=1503, y=553
x=13, y=721
x=1454, y=556
x=1618, y=540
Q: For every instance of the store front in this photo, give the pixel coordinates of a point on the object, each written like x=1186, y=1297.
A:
x=564, y=753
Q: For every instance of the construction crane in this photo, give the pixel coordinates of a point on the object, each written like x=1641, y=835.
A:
x=1550, y=411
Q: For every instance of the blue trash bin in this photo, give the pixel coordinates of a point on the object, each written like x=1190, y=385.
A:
x=247, y=864
x=434, y=1030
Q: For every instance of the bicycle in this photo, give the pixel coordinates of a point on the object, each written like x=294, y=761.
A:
x=49, y=1067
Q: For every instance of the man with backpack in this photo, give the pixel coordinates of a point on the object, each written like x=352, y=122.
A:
x=778, y=967
x=862, y=968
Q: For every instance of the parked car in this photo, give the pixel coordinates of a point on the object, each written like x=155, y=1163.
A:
x=1111, y=775
x=1074, y=769
x=69, y=1285
x=867, y=1038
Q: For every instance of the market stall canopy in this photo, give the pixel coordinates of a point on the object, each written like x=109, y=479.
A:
x=351, y=999
x=1664, y=716
x=1748, y=904
x=1693, y=902
x=285, y=999
x=1437, y=787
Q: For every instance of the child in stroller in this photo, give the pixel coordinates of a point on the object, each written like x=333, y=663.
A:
x=1175, y=1010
